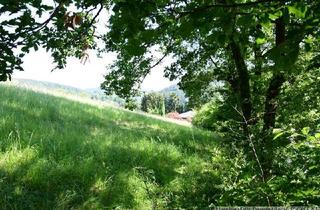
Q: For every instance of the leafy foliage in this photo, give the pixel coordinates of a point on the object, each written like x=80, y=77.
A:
x=130, y=104
x=297, y=166
x=21, y=31
x=172, y=103
x=153, y=103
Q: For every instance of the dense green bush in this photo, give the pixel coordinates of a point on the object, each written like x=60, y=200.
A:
x=293, y=173
x=233, y=179
x=130, y=104
x=300, y=102
x=206, y=116
x=217, y=115
x=294, y=181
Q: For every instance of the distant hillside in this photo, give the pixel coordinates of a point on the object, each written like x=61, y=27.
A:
x=91, y=93
x=175, y=89
x=171, y=88
x=28, y=83
x=43, y=86
x=98, y=94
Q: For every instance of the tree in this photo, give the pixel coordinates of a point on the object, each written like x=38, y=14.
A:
x=229, y=41
x=172, y=103
x=153, y=103
x=250, y=46
x=130, y=104
x=22, y=29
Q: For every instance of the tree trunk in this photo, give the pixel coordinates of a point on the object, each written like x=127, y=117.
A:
x=271, y=104
x=276, y=82
x=244, y=85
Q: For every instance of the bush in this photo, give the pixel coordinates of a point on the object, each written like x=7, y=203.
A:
x=206, y=116
x=294, y=178
x=296, y=168
x=216, y=116
x=130, y=104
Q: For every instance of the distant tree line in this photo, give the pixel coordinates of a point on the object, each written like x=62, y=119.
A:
x=158, y=103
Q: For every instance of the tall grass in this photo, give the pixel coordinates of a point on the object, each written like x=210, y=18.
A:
x=60, y=154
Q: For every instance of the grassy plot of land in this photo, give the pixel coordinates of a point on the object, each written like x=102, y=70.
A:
x=60, y=154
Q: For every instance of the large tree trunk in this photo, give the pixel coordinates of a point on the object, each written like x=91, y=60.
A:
x=244, y=85
x=276, y=82
x=271, y=104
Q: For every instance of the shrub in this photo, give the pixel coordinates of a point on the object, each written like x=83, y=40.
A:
x=216, y=116
x=206, y=116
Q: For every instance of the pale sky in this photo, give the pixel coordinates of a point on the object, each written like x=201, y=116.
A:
x=38, y=66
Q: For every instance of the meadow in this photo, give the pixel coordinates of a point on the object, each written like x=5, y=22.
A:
x=60, y=154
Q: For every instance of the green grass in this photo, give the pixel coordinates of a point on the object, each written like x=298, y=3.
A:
x=60, y=154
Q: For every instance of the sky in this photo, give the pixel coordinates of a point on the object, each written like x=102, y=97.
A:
x=38, y=65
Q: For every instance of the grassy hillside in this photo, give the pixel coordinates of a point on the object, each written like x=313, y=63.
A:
x=60, y=154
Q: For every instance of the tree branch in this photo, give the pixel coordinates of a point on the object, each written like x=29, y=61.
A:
x=249, y=137
x=53, y=14
x=159, y=61
x=208, y=7
x=95, y=17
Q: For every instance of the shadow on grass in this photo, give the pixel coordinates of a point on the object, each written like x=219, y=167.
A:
x=188, y=140
x=83, y=162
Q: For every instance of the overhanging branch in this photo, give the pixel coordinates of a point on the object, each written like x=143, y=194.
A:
x=211, y=6
x=53, y=14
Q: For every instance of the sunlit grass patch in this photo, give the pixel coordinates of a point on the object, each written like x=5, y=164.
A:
x=16, y=158
x=61, y=154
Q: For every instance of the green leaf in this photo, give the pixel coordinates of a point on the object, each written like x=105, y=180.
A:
x=276, y=15
x=25, y=49
x=246, y=20
x=277, y=130
x=305, y=130
x=307, y=47
x=298, y=10
x=222, y=38
x=261, y=40
x=186, y=28
x=278, y=135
